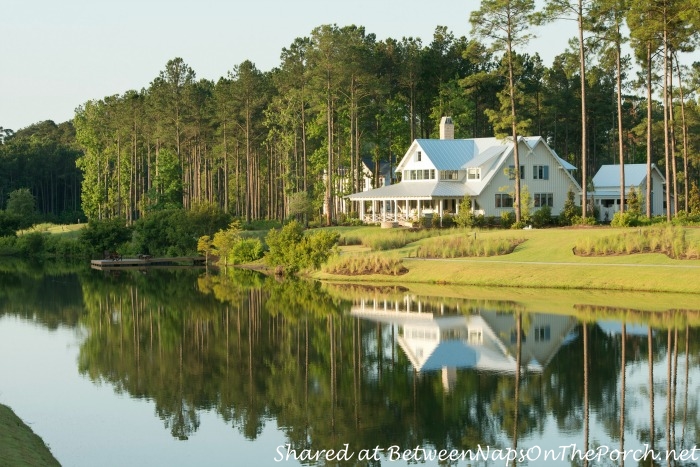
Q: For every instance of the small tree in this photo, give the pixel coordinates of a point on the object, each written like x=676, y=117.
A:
x=571, y=211
x=694, y=199
x=299, y=206
x=21, y=203
x=465, y=216
x=634, y=203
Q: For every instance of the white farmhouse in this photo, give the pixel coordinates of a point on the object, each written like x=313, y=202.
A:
x=436, y=174
x=606, y=183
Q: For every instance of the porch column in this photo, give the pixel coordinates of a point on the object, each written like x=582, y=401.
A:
x=418, y=211
x=440, y=210
x=362, y=210
x=374, y=211
x=396, y=210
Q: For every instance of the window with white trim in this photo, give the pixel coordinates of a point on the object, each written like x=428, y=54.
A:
x=504, y=200
x=540, y=172
x=474, y=174
x=449, y=175
x=543, y=199
x=511, y=172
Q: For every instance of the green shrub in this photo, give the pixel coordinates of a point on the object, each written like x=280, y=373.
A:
x=542, y=217
x=62, y=247
x=8, y=246
x=291, y=251
x=448, y=221
x=31, y=244
x=246, y=250
x=175, y=232
x=507, y=219
x=625, y=219
x=105, y=235
x=262, y=224
x=9, y=223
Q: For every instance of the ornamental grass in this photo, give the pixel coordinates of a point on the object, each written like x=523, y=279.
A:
x=387, y=239
x=466, y=246
x=669, y=240
x=365, y=264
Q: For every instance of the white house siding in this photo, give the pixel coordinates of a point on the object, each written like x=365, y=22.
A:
x=609, y=190
x=559, y=182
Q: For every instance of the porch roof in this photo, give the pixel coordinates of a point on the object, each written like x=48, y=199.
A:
x=415, y=190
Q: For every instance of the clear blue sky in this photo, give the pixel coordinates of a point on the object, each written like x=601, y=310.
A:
x=58, y=54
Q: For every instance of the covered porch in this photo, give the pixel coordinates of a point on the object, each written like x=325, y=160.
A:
x=407, y=202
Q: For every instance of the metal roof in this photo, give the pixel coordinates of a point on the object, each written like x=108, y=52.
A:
x=448, y=154
x=609, y=175
x=485, y=156
x=415, y=190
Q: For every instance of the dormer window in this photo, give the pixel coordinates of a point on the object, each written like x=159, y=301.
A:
x=474, y=174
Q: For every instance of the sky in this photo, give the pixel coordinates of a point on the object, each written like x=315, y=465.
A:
x=58, y=54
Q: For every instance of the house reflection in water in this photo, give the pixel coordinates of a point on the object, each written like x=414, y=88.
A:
x=435, y=336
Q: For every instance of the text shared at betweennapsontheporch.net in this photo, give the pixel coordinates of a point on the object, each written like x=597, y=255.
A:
x=487, y=454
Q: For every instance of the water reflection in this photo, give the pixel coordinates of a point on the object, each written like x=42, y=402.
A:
x=444, y=338
x=378, y=367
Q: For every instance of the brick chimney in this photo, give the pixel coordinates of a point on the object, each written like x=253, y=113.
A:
x=447, y=128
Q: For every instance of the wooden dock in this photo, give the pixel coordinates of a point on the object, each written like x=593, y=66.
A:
x=145, y=261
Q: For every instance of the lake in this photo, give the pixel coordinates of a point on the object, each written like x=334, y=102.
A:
x=179, y=367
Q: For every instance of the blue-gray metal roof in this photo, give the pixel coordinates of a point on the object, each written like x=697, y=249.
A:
x=485, y=156
x=416, y=190
x=448, y=154
x=609, y=175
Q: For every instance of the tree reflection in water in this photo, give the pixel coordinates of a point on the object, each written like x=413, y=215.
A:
x=371, y=368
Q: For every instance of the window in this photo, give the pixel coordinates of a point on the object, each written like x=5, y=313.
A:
x=419, y=154
x=514, y=336
x=511, y=172
x=504, y=200
x=449, y=175
x=540, y=172
x=473, y=174
x=542, y=334
x=543, y=199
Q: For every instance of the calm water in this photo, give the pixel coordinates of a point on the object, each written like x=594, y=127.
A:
x=176, y=367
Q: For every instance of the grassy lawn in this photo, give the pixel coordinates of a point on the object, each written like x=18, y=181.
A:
x=19, y=445
x=68, y=230
x=546, y=260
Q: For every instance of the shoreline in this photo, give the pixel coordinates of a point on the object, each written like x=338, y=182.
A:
x=19, y=445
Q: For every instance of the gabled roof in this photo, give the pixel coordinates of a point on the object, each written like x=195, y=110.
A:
x=635, y=175
x=417, y=190
x=533, y=141
x=448, y=154
x=486, y=156
x=384, y=167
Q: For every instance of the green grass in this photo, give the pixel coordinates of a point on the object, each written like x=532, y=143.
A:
x=66, y=231
x=19, y=445
x=546, y=260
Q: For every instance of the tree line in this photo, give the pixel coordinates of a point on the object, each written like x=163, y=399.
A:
x=289, y=141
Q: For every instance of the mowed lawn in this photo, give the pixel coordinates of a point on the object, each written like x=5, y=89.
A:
x=545, y=259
